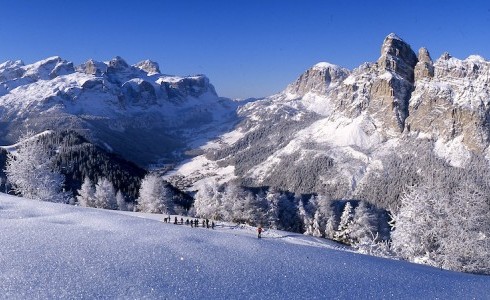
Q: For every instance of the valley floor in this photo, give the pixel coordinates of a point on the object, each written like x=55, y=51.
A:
x=60, y=251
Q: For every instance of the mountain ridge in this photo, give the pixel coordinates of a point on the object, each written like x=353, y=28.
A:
x=330, y=131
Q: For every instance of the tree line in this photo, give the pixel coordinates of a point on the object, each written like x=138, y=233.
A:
x=437, y=214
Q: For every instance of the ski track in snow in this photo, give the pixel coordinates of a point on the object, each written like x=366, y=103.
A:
x=60, y=251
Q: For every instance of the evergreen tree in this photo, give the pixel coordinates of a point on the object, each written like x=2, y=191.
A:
x=362, y=224
x=305, y=218
x=105, y=195
x=121, y=201
x=317, y=226
x=30, y=170
x=273, y=199
x=208, y=201
x=343, y=234
x=155, y=196
x=330, y=227
x=86, y=194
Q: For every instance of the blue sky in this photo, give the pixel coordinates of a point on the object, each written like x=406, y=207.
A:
x=247, y=48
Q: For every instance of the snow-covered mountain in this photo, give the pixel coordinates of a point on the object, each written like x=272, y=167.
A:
x=336, y=131
x=53, y=251
x=136, y=111
x=333, y=128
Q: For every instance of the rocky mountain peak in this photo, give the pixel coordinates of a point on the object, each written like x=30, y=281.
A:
x=424, y=55
x=118, y=70
x=318, y=79
x=391, y=89
x=148, y=66
x=425, y=67
x=397, y=56
x=48, y=68
x=118, y=63
x=11, y=69
x=92, y=67
x=445, y=56
x=11, y=64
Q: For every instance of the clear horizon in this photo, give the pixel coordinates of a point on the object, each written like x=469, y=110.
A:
x=246, y=48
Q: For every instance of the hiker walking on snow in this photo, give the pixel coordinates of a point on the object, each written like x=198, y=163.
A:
x=259, y=232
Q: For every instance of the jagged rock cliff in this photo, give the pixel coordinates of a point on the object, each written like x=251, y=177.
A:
x=424, y=67
x=454, y=102
x=318, y=79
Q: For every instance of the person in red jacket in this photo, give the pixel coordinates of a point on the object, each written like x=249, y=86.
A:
x=259, y=232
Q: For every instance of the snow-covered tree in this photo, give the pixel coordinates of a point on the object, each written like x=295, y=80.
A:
x=86, y=194
x=30, y=170
x=415, y=234
x=233, y=204
x=445, y=229
x=315, y=215
x=155, y=196
x=273, y=199
x=363, y=223
x=305, y=218
x=105, y=195
x=318, y=231
x=247, y=208
x=466, y=246
x=343, y=233
x=121, y=202
x=330, y=227
x=208, y=201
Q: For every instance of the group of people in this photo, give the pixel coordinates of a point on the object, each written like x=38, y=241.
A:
x=204, y=224
x=192, y=223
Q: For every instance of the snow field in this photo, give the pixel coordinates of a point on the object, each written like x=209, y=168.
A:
x=60, y=251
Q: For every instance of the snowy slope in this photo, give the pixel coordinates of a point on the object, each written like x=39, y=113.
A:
x=60, y=251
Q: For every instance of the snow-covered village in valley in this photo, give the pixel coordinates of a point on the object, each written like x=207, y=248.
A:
x=287, y=177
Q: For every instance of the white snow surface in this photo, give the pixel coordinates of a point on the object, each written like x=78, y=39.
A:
x=453, y=151
x=52, y=251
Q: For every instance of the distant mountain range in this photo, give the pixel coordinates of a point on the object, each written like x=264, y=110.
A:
x=333, y=130
x=135, y=111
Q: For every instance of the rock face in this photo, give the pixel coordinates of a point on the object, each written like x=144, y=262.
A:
x=318, y=79
x=149, y=67
x=455, y=103
x=392, y=88
x=138, y=92
x=447, y=99
x=424, y=68
x=92, y=67
x=397, y=57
